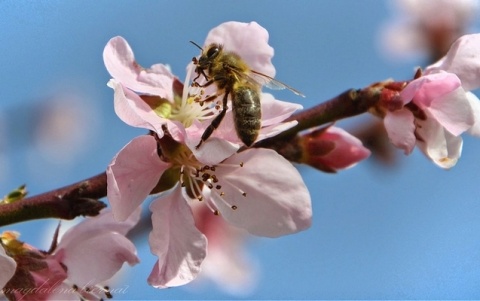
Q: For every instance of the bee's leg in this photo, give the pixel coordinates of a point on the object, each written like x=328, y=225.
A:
x=199, y=73
x=215, y=122
x=208, y=83
x=208, y=98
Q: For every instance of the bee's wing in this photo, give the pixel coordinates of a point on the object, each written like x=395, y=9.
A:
x=261, y=79
x=270, y=82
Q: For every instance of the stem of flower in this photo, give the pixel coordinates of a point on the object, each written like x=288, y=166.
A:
x=65, y=203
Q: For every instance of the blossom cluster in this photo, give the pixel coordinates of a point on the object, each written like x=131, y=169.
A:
x=434, y=109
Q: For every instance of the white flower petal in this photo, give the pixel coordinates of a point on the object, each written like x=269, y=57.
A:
x=176, y=241
x=400, y=129
x=277, y=201
x=213, y=151
x=475, y=104
x=443, y=148
x=7, y=266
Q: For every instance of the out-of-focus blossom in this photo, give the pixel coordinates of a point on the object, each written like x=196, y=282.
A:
x=331, y=149
x=427, y=26
x=256, y=190
x=434, y=109
x=88, y=254
x=227, y=265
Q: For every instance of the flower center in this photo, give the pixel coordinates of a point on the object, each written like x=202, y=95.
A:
x=203, y=182
x=190, y=106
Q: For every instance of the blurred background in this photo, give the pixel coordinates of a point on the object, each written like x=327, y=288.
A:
x=393, y=229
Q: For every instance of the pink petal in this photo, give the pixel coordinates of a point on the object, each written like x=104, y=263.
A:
x=132, y=110
x=222, y=144
x=400, y=128
x=463, y=59
x=104, y=222
x=101, y=239
x=7, y=266
x=277, y=201
x=249, y=40
x=120, y=63
x=453, y=111
x=176, y=241
x=212, y=151
x=475, y=104
x=275, y=111
x=425, y=89
x=46, y=280
x=443, y=148
x=132, y=175
x=274, y=130
x=97, y=258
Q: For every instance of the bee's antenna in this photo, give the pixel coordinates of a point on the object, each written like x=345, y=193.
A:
x=196, y=45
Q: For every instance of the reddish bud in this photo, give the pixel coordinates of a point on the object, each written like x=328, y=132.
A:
x=330, y=149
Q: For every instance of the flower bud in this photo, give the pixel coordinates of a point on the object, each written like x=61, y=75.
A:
x=330, y=149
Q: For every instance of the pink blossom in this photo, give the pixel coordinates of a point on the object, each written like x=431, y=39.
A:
x=186, y=119
x=331, y=149
x=226, y=183
x=280, y=206
x=438, y=106
x=93, y=251
x=131, y=81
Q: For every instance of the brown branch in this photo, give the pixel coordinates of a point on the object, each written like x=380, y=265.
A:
x=79, y=199
x=82, y=198
x=349, y=103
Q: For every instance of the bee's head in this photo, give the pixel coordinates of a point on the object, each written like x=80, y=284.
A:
x=210, y=53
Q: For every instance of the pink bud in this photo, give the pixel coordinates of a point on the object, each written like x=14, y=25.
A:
x=330, y=149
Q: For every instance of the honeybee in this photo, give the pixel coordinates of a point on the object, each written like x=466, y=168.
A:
x=232, y=76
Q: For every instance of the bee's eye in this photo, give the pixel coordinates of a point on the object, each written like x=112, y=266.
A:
x=212, y=52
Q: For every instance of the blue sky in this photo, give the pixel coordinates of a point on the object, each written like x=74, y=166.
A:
x=411, y=231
